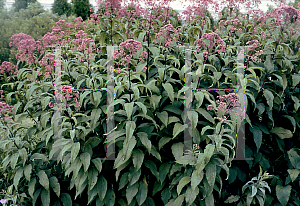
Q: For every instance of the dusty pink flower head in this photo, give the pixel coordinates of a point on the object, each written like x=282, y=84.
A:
x=5, y=110
x=25, y=46
x=128, y=49
x=9, y=69
x=69, y=97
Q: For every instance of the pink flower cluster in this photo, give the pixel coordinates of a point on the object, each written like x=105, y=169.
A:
x=9, y=69
x=25, y=44
x=132, y=47
x=169, y=34
x=1, y=94
x=68, y=93
x=211, y=37
x=231, y=101
x=5, y=110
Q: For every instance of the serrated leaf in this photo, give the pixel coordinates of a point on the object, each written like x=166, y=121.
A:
x=55, y=185
x=206, y=115
x=210, y=173
x=232, y=198
x=177, y=129
x=168, y=87
x=130, y=128
x=74, y=151
x=163, y=116
x=163, y=141
x=85, y=159
x=257, y=136
x=43, y=179
x=283, y=194
x=269, y=97
x=31, y=187
x=17, y=177
x=282, y=133
x=294, y=158
x=45, y=197
x=131, y=191
x=137, y=159
x=129, y=108
x=142, y=193
x=101, y=187
x=163, y=171
x=184, y=181
x=27, y=171
x=92, y=178
x=190, y=195
x=145, y=141
x=13, y=160
x=296, y=80
x=98, y=164
x=196, y=178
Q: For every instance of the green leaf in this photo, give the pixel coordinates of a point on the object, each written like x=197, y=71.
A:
x=13, y=160
x=66, y=199
x=163, y=116
x=163, y=171
x=163, y=141
x=31, y=187
x=177, y=150
x=184, y=181
x=123, y=181
x=210, y=173
x=296, y=79
x=199, y=97
x=92, y=178
x=294, y=158
x=168, y=87
x=282, y=133
x=45, y=196
x=257, y=136
x=128, y=109
x=297, y=103
x=86, y=160
x=149, y=164
x=283, y=194
x=23, y=155
x=209, y=200
x=206, y=115
x=268, y=64
x=269, y=97
x=138, y=158
x=142, y=193
x=178, y=202
x=177, y=129
x=110, y=198
x=98, y=164
x=293, y=174
x=55, y=185
x=101, y=187
x=232, y=199
x=196, y=178
x=43, y=179
x=128, y=147
x=27, y=171
x=74, y=151
x=17, y=177
x=130, y=128
x=131, y=191
x=145, y=141
x=190, y=195
x=142, y=106
x=292, y=121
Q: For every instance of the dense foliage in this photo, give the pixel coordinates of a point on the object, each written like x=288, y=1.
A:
x=65, y=160
x=61, y=7
x=82, y=8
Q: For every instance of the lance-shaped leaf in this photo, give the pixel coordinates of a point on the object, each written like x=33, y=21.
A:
x=282, y=133
x=168, y=87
